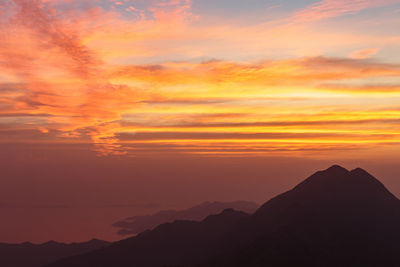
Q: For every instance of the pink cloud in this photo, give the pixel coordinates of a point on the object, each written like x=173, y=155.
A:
x=334, y=8
x=364, y=53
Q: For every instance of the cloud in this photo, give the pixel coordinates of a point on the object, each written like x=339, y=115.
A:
x=151, y=136
x=334, y=8
x=76, y=71
x=105, y=112
x=56, y=73
x=371, y=88
x=364, y=53
x=273, y=123
x=279, y=72
x=42, y=21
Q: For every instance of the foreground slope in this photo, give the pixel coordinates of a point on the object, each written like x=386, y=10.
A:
x=334, y=218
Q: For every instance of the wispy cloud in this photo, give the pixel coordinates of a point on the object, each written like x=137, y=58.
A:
x=334, y=8
x=364, y=53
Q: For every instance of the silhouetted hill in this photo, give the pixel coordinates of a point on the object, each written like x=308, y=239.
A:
x=177, y=243
x=31, y=255
x=334, y=218
x=137, y=224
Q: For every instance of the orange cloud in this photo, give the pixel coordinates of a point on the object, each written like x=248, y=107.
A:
x=364, y=53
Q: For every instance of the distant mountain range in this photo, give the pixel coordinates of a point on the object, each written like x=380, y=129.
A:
x=138, y=224
x=334, y=218
x=33, y=255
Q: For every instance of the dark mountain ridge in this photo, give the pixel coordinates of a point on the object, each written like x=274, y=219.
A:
x=30, y=255
x=137, y=224
x=169, y=243
x=335, y=217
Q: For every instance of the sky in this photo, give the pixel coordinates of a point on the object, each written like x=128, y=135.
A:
x=109, y=108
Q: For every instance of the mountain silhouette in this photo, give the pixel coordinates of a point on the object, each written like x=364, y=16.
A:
x=177, y=243
x=335, y=218
x=32, y=255
x=137, y=224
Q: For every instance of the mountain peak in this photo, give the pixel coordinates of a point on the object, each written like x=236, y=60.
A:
x=337, y=167
x=338, y=182
x=332, y=187
x=324, y=179
x=360, y=171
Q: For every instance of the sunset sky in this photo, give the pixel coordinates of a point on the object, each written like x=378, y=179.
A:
x=93, y=92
